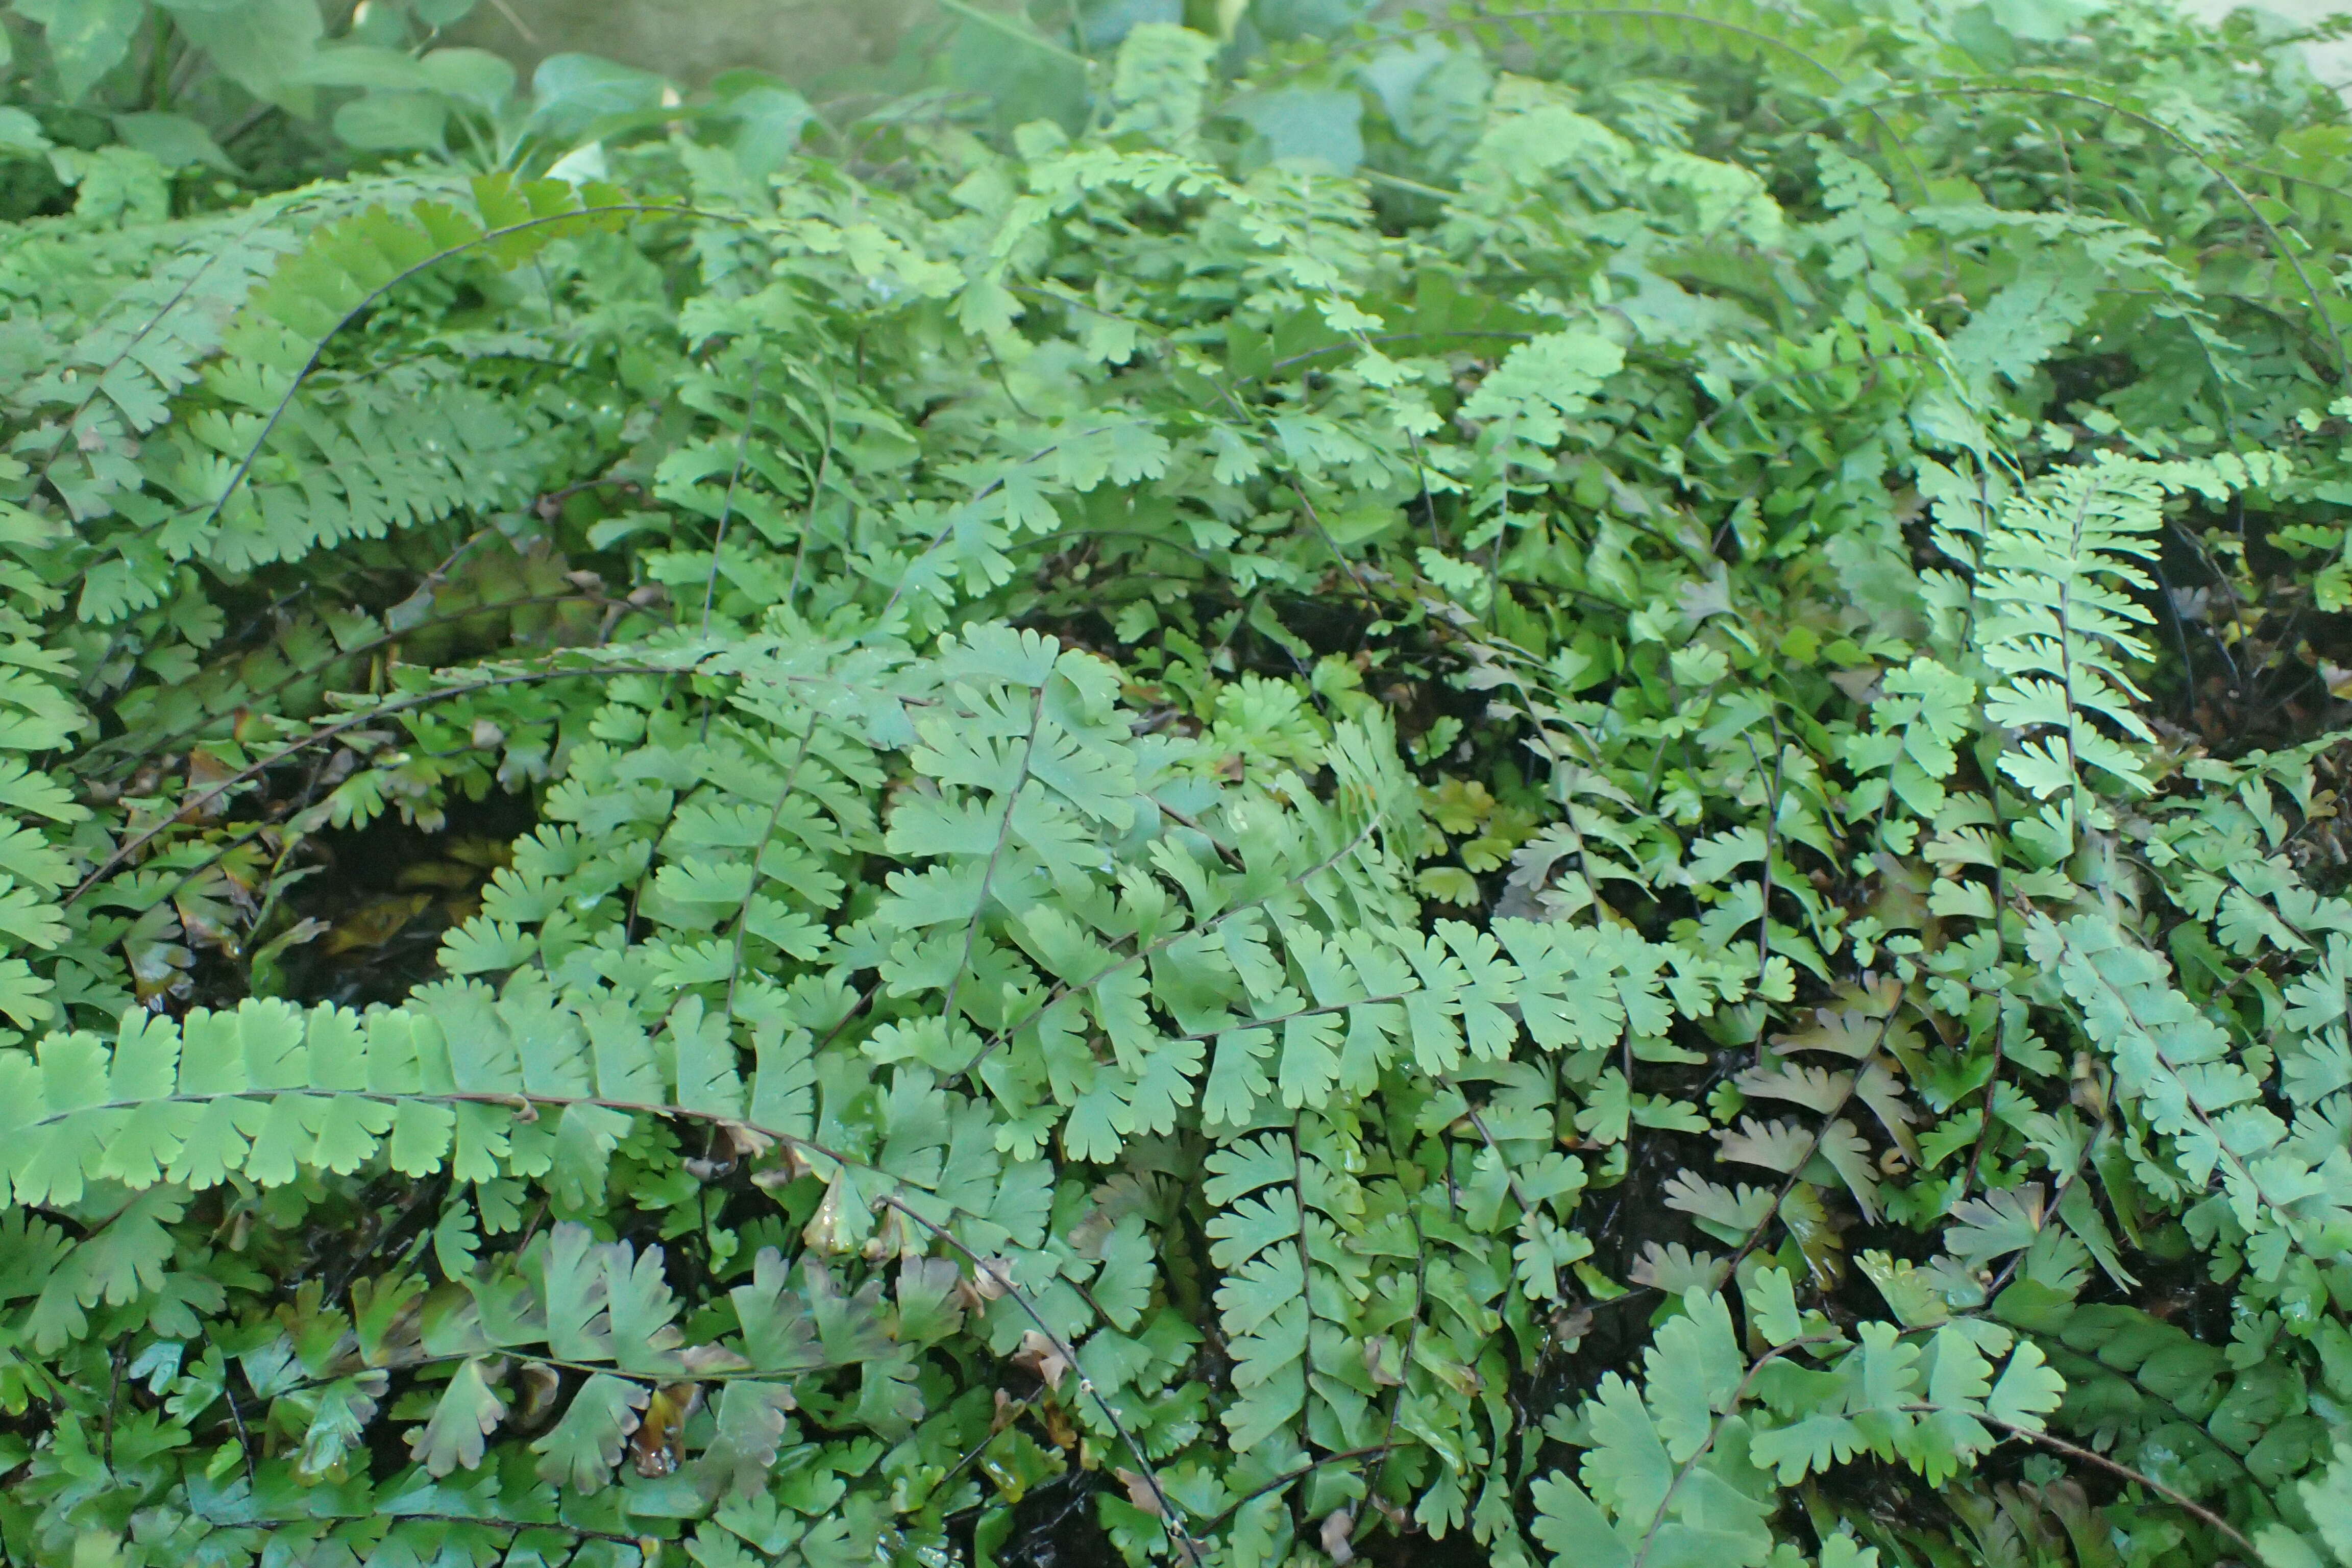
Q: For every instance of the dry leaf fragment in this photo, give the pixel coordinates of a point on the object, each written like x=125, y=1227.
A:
x=991, y=1277
x=1338, y=1529
x=748, y=1142
x=1140, y=1491
x=705, y=1361
x=536, y=1386
x=789, y=1168
x=659, y=1441
x=1040, y=1354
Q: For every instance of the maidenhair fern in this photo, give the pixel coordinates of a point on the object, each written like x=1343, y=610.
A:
x=1680, y=1468
x=2054, y=569
x=1442, y=794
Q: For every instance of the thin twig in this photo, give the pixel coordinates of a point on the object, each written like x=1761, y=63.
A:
x=2090, y=1456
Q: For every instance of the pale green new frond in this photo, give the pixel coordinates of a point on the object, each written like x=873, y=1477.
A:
x=2057, y=624
x=2177, y=1064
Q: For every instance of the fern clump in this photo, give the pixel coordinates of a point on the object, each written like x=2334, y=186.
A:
x=1560, y=784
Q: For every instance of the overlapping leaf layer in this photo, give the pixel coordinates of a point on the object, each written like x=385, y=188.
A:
x=1558, y=785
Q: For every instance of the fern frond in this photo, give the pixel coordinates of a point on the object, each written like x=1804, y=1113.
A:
x=279, y=337
x=2278, y=1191
x=2057, y=624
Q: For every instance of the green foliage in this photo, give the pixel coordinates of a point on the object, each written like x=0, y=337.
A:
x=1676, y=1471
x=1570, y=781
x=145, y=105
